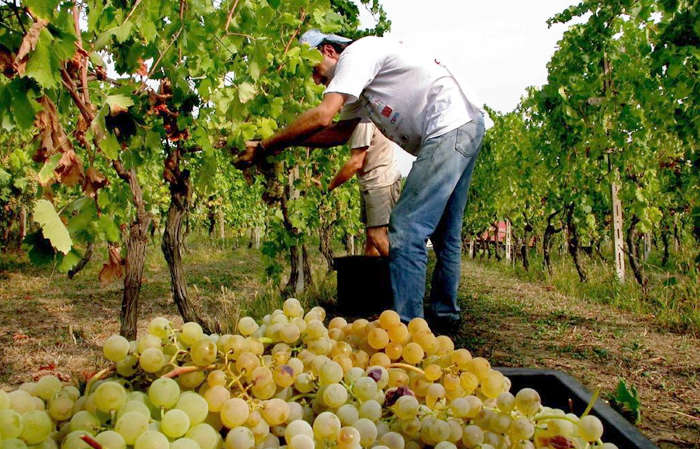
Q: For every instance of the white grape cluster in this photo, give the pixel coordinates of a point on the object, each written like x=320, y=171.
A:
x=290, y=382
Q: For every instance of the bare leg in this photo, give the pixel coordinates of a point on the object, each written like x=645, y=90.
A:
x=378, y=239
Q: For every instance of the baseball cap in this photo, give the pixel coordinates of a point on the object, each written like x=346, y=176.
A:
x=314, y=38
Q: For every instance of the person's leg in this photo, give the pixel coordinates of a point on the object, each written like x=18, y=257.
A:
x=433, y=178
x=447, y=239
x=378, y=240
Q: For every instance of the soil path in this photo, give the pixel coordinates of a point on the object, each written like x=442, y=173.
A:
x=524, y=324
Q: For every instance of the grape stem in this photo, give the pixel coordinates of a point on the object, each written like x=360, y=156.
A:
x=186, y=369
x=300, y=396
x=95, y=378
x=596, y=393
x=408, y=367
x=91, y=441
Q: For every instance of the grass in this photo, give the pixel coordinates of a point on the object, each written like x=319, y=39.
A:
x=673, y=295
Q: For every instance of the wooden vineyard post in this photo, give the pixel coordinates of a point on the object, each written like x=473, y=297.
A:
x=618, y=241
x=471, y=247
x=509, y=243
x=647, y=245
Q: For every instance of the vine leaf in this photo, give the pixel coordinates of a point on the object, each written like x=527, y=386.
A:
x=70, y=169
x=43, y=64
x=112, y=270
x=28, y=45
x=118, y=103
x=246, y=92
x=52, y=227
x=94, y=181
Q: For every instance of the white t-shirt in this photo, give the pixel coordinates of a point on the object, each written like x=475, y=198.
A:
x=410, y=96
x=380, y=167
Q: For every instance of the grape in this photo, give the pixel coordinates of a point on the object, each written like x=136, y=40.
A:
x=367, y=429
x=473, y=436
x=521, y=429
x=164, y=392
x=21, y=401
x=365, y=388
x=194, y=405
x=61, y=408
x=174, y=423
x=109, y=396
x=275, y=411
x=84, y=420
x=152, y=440
x=130, y=426
x=11, y=424
x=326, y=426
x=413, y=353
x=191, y=332
x=111, y=439
x=298, y=427
x=159, y=327
x=301, y=442
x=234, y=412
x=378, y=338
x=134, y=406
x=184, y=443
x=240, y=438
x=72, y=441
x=527, y=401
x=371, y=410
x=4, y=401
x=247, y=326
x=115, y=348
x=152, y=359
x=204, y=435
x=47, y=386
x=590, y=428
x=37, y=426
x=335, y=395
x=203, y=352
x=128, y=366
x=348, y=437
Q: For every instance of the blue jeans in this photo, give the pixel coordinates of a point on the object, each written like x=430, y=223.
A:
x=431, y=206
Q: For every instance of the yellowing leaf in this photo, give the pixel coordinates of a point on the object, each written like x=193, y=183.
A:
x=51, y=226
x=246, y=92
x=118, y=103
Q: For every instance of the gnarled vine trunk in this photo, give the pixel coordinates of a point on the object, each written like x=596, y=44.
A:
x=573, y=242
x=135, y=255
x=633, y=253
x=84, y=261
x=549, y=232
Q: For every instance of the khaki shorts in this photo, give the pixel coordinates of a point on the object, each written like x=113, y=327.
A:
x=377, y=204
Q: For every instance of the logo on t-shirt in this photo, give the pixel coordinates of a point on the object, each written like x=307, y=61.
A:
x=386, y=112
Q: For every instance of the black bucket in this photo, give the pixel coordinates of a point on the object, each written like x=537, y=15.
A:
x=364, y=286
x=560, y=390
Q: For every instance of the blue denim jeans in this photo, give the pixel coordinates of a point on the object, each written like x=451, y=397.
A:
x=431, y=206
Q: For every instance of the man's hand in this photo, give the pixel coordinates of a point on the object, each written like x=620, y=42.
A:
x=253, y=152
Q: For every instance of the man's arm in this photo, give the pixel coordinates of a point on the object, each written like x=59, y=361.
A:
x=351, y=166
x=336, y=134
x=302, y=128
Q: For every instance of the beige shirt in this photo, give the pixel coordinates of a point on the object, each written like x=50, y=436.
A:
x=380, y=167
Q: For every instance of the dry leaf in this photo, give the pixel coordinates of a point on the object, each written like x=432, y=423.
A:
x=7, y=62
x=69, y=170
x=51, y=136
x=112, y=270
x=28, y=45
x=94, y=181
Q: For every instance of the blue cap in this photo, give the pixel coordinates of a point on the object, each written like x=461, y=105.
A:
x=314, y=38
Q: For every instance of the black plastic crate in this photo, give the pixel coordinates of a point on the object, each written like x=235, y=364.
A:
x=559, y=390
x=364, y=286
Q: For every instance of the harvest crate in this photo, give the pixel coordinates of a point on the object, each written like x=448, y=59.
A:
x=364, y=286
x=556, y=390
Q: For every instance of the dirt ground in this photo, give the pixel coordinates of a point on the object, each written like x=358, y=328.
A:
x=50, y=324
x=518, y=324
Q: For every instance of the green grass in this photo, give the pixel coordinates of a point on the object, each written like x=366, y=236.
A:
x=673, y=295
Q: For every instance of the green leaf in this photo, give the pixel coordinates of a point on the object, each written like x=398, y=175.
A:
x=51, y=226
x=110, y=146
x=107, y=225
x=4, y=177
x=43, y=64
x=69, y=261
x=46, y=173
x=44, y=9
x=274, y=3
x=246, y=92
x=38, y=249
x=23, y=105
x=118, y=103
